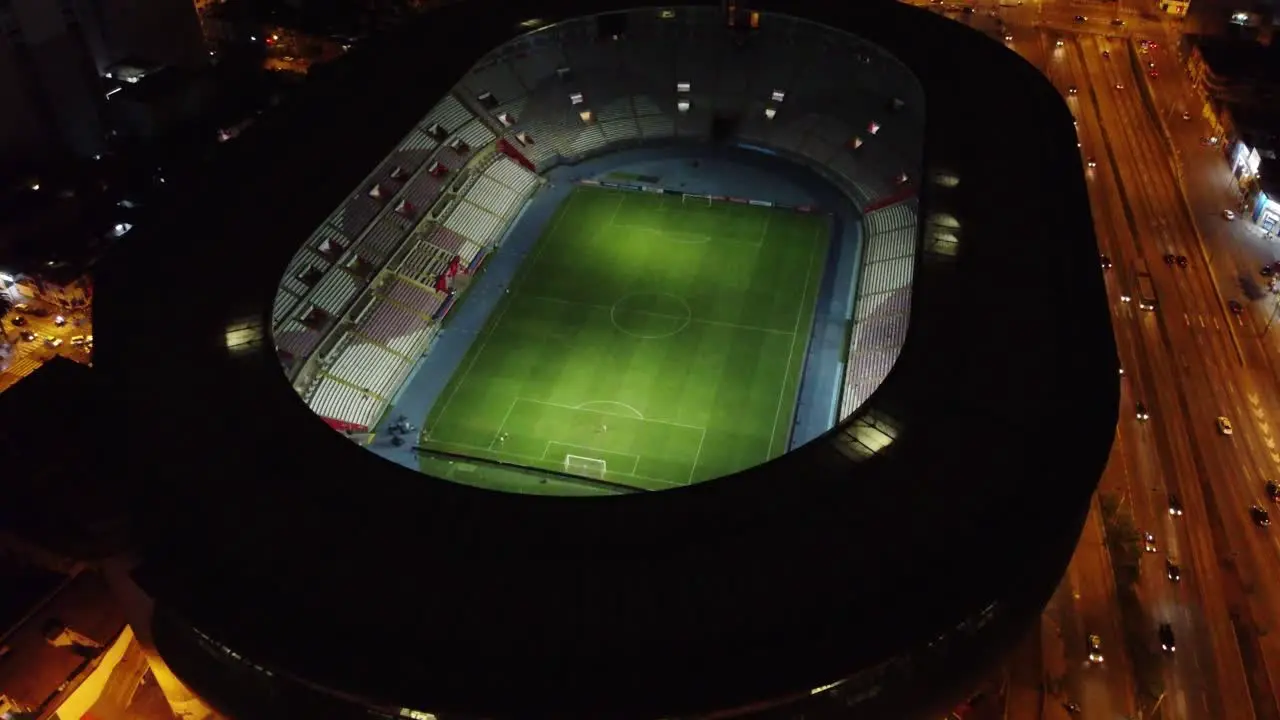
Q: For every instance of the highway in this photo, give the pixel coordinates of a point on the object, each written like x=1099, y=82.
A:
x=1188, y=362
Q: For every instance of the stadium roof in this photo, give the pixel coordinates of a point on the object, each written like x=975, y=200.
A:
x=304, y=551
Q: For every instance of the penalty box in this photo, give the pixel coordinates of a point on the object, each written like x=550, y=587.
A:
x=630, y=444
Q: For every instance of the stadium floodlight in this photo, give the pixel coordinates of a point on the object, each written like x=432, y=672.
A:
x=770, y=113
x=683, y=87
x=874, y=127
x=585, y=466
x=682, y=105
x=575, y=98
x=778, y=96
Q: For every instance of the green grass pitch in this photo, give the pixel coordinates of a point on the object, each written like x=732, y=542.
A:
x=657, y=338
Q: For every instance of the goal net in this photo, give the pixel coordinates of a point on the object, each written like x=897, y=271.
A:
x=697, y=200
x=584, y=466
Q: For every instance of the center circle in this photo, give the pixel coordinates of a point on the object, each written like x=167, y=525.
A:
x=650, y=316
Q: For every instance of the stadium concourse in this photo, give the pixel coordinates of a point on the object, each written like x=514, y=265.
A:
x=875, y=569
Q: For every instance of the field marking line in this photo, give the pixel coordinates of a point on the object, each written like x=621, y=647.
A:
x=583, y=406
x=503, y=424
x=624, y=417
x=697, y=456
x=635, y=464
x=497, y=320
x=782, y=391
x=715, y=323
x=531, y=459
x=764, y=230
x=477, y=448
x=614, y=216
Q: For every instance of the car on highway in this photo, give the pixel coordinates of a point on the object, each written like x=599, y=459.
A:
x=18, y=321
x=1149, y=542
x=1154, y=73
x=1170, y=259
x=1175, y=505
x=1080, y=18
x=1093, y=163
x=1224, y=425
x=1182, y=261
x=1235, y=307
x=1171, y=569
x=1142, y=413
x=1273, y=491
x=1167, y=642
x=27, y=335
x=1227, y=214
x=1072, y=90
x=59, y=321
x=1008, y=37
x=1094, y=647
x=1119, y=86
x=1106, y=262
x=1186, y=116
x=1059, y=43
x=1117, y=22
x=1266, y=271
x=1106, y=54
x=1260, y=516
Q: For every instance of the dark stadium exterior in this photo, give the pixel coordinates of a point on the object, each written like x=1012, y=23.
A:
x=896, y=557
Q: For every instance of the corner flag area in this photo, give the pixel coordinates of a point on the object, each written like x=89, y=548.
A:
x=648, y=342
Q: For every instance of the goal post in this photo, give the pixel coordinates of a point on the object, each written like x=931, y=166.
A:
x=585, y=466
x=697, y=200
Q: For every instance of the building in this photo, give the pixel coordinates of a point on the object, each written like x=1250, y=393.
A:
x=54, y=634
x=296, y=574
x=1241, y=85
x=1176, y=8
x=54, y=57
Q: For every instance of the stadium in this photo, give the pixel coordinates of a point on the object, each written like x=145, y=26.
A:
x=832, y=292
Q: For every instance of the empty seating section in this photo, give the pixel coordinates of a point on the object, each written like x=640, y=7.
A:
x=335, y=292
x=333, y=399
x=419, y=264
x=422, y=300
x=494, y=197
x=297, y=339
x=449, y=115
x=398, y=329
x=454, y=244
x=422, y=190
x=883, y=304
x=497, y=77
x=367, y=367
x=513, y=176
x=578, y=93
x=475, y=223
x=383, y=238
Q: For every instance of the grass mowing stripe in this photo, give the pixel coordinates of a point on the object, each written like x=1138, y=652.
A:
x=782, y=391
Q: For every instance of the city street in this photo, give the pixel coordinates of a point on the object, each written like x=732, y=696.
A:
x=30, y=354
x=1188, y=362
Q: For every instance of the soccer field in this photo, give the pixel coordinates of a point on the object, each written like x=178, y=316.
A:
x=647, y=342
